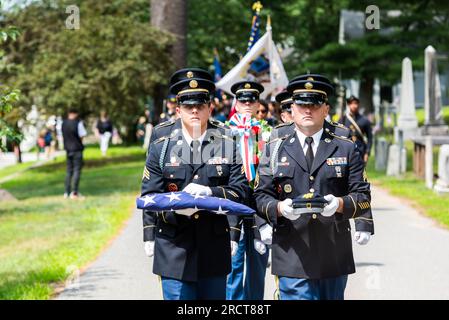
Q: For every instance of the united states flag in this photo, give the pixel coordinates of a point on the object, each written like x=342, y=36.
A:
x=172, y=201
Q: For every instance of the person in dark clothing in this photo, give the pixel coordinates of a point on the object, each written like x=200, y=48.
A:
x=360, y=126
x=73, y=132
x=103, y=130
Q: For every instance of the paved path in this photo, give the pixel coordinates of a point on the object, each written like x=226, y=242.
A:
x=408, y=258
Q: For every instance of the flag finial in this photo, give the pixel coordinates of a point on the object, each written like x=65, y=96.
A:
x=268, y=22
x=257, y=6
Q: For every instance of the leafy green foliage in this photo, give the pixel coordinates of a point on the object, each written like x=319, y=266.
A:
x=112, y=62
x=8, y=97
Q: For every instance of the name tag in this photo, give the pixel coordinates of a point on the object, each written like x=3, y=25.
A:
x=341, y=161
x=218, y=160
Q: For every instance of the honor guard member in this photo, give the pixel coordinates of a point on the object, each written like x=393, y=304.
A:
x=364, y=226
x=285, y=101
x=163, y=129
x=250, y=254
x=311, y=253
x=360, y=126
x=192, y=253
x=170, y=113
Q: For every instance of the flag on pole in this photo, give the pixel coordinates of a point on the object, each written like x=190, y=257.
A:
x=262, y=63
x=217, y=72
x=172, y=201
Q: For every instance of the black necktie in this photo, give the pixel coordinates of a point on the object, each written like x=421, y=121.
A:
x=309, y=153
x=195, y=156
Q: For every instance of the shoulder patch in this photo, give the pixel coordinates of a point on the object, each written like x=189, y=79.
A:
x=339, y=137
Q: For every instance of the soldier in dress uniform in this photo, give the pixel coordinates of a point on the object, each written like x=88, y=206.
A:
x=192, y=253
x=250, y=254
x=285, y=101
x=364, y=228
x=360, y=126
x=170, y=106
x=312, y=253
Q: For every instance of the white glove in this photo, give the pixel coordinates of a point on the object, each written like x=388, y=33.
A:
x=331, y=207
x=197, y=189
x=260, y=246
x=234, y=247
x=149, y=248
x=286, y=209
x=187, y=212
x=266, y=234
x=362, y=237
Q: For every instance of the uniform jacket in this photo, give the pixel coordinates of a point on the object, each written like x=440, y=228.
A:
x=362, y=223
x=189, y=248
x=313, y=246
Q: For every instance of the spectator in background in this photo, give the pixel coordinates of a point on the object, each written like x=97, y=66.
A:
x=103, y=131
x=140, y=130
x=40, y=143
x=73, y=132
x=262, y=110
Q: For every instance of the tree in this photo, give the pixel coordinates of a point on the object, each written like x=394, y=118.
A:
x=113, y=62
x=8, y=96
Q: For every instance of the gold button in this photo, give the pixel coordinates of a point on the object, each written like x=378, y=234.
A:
x=227, y=229
x=311, y=190
x=196, y=216
x=314, y=216
x=311, y=178
x=195, y=177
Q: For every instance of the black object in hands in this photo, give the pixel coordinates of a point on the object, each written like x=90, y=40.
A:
x=309, y=203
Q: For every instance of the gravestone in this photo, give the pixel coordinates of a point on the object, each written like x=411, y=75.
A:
x=381, y=152
x=442, y=184
x=407, y=121
x=434, y=122
x=397, y=160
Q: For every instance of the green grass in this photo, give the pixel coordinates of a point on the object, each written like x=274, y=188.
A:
x=412, y=189
x=420, y=115
x=10, y=170
x=44, y=237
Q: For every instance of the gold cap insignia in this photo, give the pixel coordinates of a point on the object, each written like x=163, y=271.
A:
x=308, y=85
x=193, y=84
x=190, y=74
x=310, y=79
x=247, y=86
x=308, y=196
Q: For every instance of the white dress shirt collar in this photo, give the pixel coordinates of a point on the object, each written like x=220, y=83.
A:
x=316, y=139
x=189, y=139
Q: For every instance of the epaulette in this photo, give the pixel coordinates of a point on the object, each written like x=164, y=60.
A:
x=165, y=124
x=161, y=139
x=338, y=137
x=277, y=139
x=217, y=123
x=284, y=124
x=337, y=124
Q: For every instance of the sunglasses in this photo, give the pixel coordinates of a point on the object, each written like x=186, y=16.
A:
x=262, y=111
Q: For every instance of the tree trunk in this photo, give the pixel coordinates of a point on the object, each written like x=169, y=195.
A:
x=366, y=94
x=17, y=152
x=170, y=16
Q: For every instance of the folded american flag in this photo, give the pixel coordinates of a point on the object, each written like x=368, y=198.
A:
x=183, y=200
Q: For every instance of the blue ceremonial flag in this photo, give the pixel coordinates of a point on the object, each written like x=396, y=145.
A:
x=183, y=200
